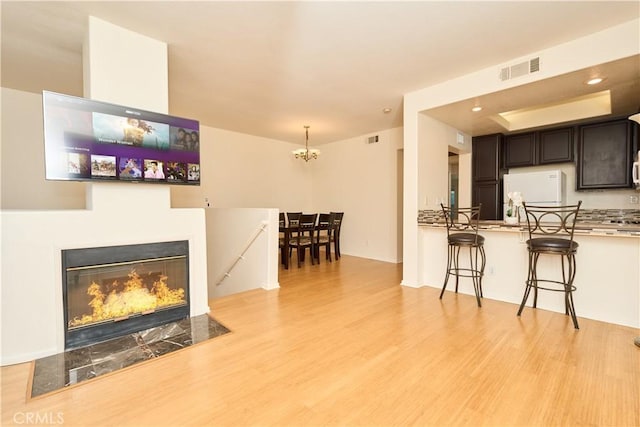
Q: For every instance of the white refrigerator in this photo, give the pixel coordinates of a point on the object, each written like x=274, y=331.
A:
x=537, y=188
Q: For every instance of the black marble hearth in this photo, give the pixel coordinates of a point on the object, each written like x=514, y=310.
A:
x=74, y=366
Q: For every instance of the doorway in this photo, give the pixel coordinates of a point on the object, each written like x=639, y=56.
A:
x=454, y=192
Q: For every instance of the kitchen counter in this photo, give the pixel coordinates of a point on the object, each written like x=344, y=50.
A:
x=607, y=274
x=591, y=228
x=593, y=222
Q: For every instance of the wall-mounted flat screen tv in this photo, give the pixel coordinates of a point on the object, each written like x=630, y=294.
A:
x=87, y=140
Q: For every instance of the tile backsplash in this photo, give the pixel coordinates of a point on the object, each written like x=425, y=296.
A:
x=602, y=215
x=429, y=215
x=587, y=215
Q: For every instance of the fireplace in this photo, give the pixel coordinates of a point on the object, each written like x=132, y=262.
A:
x=116, y=290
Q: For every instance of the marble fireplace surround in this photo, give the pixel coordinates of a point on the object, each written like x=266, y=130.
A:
x=54, y=373
x=116, y=214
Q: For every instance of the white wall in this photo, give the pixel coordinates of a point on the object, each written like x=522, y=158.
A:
x=435, y=141
x=243, y=250
x=361, y=180
x=22, y=159
x=242, y=171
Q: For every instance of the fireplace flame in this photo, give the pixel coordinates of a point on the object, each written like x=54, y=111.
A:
x=134, y=298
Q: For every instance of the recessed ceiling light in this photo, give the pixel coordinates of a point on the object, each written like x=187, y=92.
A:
x=595, y=81
x=476, y=109
x=386, y=110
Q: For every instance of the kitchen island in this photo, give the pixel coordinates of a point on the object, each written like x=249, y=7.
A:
x=607, y=268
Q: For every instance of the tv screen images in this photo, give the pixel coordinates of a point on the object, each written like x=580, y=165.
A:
x=87, y=140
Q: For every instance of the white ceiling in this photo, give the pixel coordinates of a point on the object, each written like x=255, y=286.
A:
x=269, y=68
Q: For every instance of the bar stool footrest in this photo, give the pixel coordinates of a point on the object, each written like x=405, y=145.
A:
x=471, y=272
x=561, y=288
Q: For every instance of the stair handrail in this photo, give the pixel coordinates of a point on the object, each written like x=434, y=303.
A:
x=263, y=226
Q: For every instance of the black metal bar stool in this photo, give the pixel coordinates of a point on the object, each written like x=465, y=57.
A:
x=551, y=233
x=462, y=232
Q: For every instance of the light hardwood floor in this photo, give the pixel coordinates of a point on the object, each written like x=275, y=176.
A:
x=344, y=344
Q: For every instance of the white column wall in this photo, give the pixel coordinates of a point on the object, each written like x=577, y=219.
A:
x=125, y=68
x=433, y=153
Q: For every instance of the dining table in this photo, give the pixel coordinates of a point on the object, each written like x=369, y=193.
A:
x=288, y=228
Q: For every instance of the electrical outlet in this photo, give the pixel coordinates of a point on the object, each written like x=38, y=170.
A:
x=633, y=200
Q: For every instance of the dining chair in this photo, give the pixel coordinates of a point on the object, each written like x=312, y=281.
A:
x=337, y=226
x=292, y=221
x=281, y=238
x=324, y=235
x=303, y=236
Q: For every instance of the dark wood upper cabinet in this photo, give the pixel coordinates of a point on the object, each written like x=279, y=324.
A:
x=605, y=155
x=555, y=146
x=520, y=150
x=539, y=148
x=486, y=157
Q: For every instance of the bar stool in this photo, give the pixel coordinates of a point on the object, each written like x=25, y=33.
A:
x=462, y=232
x=551, y=233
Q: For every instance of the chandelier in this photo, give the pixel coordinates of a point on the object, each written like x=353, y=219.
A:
x=304, y=153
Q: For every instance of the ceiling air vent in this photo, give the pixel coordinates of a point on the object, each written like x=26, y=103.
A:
x=534, y=65
x=373, y=139
x=521, y=69
x=505, y=74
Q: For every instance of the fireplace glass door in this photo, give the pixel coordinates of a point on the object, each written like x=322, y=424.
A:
x=112, y=291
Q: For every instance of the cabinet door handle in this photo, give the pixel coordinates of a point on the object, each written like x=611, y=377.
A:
x=634, y=169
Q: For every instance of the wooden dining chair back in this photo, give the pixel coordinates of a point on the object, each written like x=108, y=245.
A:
x=324, y=234
x=303, y=236
x=337, y=226
x=292, y=218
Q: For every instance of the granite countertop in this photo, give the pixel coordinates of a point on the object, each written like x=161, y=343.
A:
x=596, y=228
x=597, y=222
